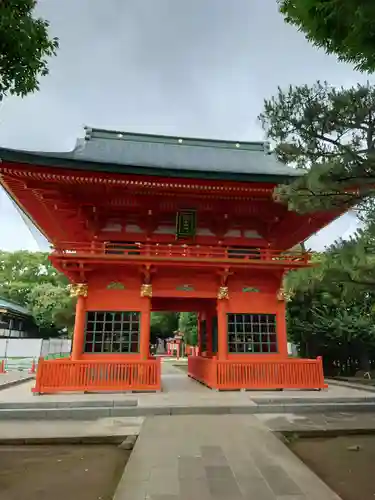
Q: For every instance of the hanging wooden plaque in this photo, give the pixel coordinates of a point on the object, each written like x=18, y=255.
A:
x=186, y=224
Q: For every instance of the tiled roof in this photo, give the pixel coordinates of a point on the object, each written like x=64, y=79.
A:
x=12, y=307
x=158, y=155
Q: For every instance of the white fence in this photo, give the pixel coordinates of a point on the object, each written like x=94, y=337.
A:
x=20, y=353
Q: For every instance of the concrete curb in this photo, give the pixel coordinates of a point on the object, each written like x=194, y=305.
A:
x=51, y=405
x=343, y=383
x=104, y=439
x=325, y=433
x=309, y=401
x=94, y=413
x=19, y=381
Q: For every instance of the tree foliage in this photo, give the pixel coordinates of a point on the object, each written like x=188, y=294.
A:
x=51, y=305
x=188, y=324
x=25, y=46
x=163, y=325
x=330, y=133
x=29, y=279
x=327, y=322
x=341, y=27
x=332, y=309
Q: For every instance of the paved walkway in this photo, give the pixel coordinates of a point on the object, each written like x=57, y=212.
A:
x=14, y=377
x=215, y=458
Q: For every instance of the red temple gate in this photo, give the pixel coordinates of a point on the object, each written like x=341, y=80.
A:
x=141, y=223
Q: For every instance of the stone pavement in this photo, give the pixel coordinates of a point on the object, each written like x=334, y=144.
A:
x=319, y=423
x=16, y=430
x=215, y=458
x=37, y=430
x=11, y=378
x=352, y=385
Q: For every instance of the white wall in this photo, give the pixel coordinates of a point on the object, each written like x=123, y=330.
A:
x=23, y=348
x=33, y=348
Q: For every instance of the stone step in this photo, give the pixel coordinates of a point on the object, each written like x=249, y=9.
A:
x=47, y=405
x=93, y=413
x=303, y=400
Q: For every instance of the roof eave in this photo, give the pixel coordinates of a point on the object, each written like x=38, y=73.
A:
x=15, y=312
x=64, y=161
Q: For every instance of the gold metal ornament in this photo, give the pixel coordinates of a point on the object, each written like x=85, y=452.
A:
x=284, y=295
x=78, y=289
x=223, y=293
x=146, y=290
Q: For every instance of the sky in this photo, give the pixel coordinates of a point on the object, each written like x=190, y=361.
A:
x=200, y=68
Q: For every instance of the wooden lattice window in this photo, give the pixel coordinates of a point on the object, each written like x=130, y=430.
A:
x=252, y=333
x=112, y=332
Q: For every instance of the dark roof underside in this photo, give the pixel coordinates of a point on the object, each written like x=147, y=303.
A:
x=169, y=156
x=14, y=308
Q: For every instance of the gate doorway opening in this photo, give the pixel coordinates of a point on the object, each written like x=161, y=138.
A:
x=182, y=327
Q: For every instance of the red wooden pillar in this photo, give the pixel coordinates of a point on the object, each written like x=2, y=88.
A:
x=281, y=330
x=79, y=328
x=209, y=333
x=222, y=334
x=199, y=338
x=144, y=347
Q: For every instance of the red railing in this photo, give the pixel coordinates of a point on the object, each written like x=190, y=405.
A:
x=264, y=374
x=96, y=376
x=191, y=350
x=203, y=369
x=141, y=251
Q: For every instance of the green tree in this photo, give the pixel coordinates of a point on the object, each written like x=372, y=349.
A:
x=29, y=278
x=51, y=306
x=163, y=325
x=332, y=308
x=330, y=133
x=188, y=325
x=341, y=27
x=325, y=321
x=25, y=47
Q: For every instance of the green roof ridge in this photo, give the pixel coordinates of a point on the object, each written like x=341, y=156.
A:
x=100, y=133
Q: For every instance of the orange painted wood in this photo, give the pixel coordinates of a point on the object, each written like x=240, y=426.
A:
x=141, y=251
x=97, y=376
x=263, y=374
x=191, y=350
x=222, y=330
x=101, y=299
x=145, y=329
x=203, y=369
x=79, y=328
x=171, y=239
x=50, y=194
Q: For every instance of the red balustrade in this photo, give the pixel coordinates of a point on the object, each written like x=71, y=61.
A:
x=191, y=350
x=263, y=374
x=139, y=251
x=97, y=376
x=203, y=369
